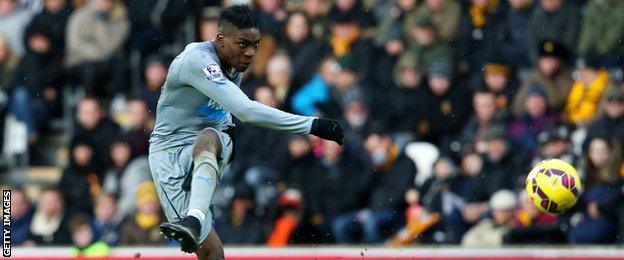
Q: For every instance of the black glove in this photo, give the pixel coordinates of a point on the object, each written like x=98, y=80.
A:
x=327, y=129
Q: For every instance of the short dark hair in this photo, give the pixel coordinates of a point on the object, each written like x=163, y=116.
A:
x=238, y=15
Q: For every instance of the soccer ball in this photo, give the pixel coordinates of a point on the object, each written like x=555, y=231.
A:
x=553, y=186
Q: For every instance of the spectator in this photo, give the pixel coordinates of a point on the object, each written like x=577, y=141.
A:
x=346, y=88
x=95, y=129
x=446, y=106
x=306, y=100
x=22, y=213
x=304, y=51
x=316, y=11
x=592, y=226
x=406, y=99
x=585, y=95
x=394, y=172
x=81, y=182
x=601, y=32
x=490, y=232
x=538, y=117
x=514, y=48
x=533, y=226
x=390, y=29
x=555, y=143
x=279, y=75
x=123, y=178
x=484, y=119
x=554, y=20
x=8, y=64
x=346, y=39
x=445, y=16
x=240, y=226
x=154, y=23
x=142, y=227
x=13, y=22
x=497, y=78
x=602, y=162
x=612, y=121
x=209, y=24
x=85, y=243
x=141, y=125
x=95, y=36
x=49, y=223
x=355, y=9
x=155, y=76
x=504, y=167
x=551, y=76
x=423, y=41
x=270, y=17
x=288, y=216
x=103, y=226
x=36, y=85
x=53, y=19
x=482, y=29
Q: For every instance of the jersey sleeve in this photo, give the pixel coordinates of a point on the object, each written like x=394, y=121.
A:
x=206, y=76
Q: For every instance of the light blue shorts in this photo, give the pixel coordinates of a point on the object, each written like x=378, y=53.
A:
x=172, y=173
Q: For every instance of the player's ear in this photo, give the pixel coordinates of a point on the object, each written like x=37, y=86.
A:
x=219, y=40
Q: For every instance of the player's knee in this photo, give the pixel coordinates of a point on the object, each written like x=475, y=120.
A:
x=207, y=140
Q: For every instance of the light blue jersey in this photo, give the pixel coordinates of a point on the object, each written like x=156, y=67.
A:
x=198, y=95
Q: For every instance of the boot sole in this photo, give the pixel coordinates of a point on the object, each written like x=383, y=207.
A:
x=181, y=234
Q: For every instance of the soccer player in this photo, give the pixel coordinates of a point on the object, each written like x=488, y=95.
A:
x=191, y=145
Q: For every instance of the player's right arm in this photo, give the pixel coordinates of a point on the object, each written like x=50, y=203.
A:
x=205, y=75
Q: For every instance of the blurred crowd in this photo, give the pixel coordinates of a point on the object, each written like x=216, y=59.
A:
x=447, y=104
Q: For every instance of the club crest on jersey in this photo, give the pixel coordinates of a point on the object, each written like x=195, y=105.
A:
x=213, y=71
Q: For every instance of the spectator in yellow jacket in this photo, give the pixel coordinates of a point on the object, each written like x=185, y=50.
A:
x=585, y=95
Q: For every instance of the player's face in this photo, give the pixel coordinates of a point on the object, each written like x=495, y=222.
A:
x=240, y=47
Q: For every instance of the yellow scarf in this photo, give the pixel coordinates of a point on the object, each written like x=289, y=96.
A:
x=393, y=153
x=146, y=221
x=342, y=45
x=583, y=100
x=478, y=12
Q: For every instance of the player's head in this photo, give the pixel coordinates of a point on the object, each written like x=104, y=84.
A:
x=238, y=37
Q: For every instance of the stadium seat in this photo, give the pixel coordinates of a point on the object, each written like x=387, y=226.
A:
x=424, y=156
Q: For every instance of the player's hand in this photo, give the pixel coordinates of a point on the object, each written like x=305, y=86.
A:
x=327, y=129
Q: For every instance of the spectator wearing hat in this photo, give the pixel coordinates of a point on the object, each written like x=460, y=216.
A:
x=423, y=41
x=393, y=175
x=95, y=37
x=551, y=76
x=239, y=225
x=593, y=226
x=35, y=94
x=154, y=23
x=13, y=22
x=504, y=167
x=555, y=143
x=480, y=34
x=446, y=105
x=81, y=182
x=538, y=117
x=611, y=122
x=516, y=25
x=406, y=99
x=303, y=49
x=490, y=232
x=347, y=39
x=389, y=31
x=141, y=228
x=554, y=20
x=497, y=78
x=584, y=99
x=445, y=16
x=356, y=10
x=602, y=31
x=53, y=18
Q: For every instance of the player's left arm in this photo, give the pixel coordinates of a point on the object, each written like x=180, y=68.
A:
x=208, y=79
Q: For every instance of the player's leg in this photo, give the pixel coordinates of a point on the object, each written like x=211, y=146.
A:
x=188, y=230
x=211, y=248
